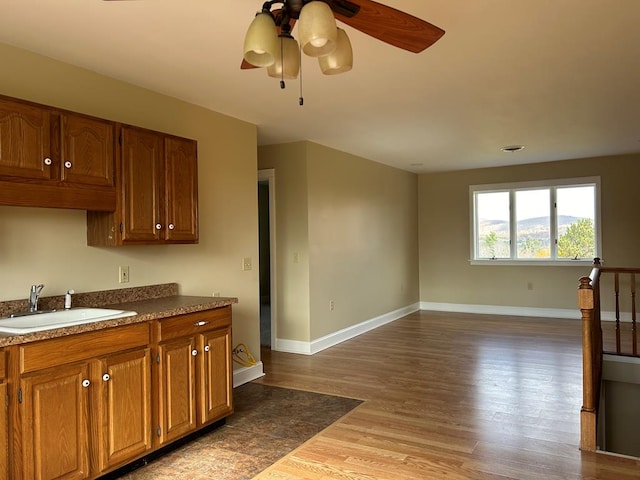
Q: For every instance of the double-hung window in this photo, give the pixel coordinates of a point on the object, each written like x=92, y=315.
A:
x=548, y=222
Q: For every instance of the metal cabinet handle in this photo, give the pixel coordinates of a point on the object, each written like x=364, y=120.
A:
x=48, y=161
x=171, y=226
x=194, y=352
x=106, y=377
x=207, y=348
x=67, y=164
x=86, y=383
x=201, y=323
x=158, y=226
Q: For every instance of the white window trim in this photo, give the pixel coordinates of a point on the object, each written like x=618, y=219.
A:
x=511, y=187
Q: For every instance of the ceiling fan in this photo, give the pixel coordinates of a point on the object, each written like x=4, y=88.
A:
x=384, y=23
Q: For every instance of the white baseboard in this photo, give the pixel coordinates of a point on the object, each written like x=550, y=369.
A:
x=315, y=346
x=246, y=374
x=503, y=310
x=519, y=311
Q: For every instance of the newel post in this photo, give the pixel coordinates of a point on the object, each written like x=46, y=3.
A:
x=588, y=411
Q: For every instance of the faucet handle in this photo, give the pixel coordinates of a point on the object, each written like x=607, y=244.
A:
x=67, y=299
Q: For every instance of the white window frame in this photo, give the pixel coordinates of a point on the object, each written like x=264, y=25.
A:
x=512, y=188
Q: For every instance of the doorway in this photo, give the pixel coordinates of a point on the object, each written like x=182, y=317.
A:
x=266, y=235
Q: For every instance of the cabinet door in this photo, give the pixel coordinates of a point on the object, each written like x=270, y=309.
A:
x=181, y=200
x=87, y=150
x=215, y=378
x=54, y=413
x=4, y=432
x=124, y=407
x=177, y=405
x=24, y=141
x=142, y=200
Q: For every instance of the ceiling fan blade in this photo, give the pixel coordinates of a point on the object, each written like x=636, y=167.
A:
x=246, y=65
x=392, y=26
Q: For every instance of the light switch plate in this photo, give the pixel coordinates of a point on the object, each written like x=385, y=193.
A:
x=246, y=263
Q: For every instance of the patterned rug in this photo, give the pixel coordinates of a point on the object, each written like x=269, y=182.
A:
x=268, y=423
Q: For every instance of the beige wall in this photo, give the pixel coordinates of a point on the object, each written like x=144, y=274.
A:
x=49, y=245
x=292, y=237
x=445, y=273
x=354, y=222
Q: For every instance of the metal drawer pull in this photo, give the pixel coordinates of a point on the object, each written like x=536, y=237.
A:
x=86, y=383
x=194, y=352
x=106, y=377
x=201, y=323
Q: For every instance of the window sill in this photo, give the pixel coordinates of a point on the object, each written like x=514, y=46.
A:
x=583, y=263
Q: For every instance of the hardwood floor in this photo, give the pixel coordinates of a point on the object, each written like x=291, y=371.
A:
x=448, y=396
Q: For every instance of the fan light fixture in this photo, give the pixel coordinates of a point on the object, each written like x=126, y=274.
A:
x=269, y=43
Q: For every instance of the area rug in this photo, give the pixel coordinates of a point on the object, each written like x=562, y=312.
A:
x=268, y=423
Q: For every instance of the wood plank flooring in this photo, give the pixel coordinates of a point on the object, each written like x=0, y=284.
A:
x=448, y=396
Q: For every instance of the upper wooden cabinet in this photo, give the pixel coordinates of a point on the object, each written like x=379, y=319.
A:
x=157, y=192
x=54, y=158
x=87, y=155
x=25, y=150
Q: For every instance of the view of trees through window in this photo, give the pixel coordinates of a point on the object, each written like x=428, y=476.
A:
x=548, y=223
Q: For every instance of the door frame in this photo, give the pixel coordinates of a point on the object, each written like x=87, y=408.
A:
x=269, y=175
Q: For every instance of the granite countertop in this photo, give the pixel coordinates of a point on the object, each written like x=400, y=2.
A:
x=151, y=303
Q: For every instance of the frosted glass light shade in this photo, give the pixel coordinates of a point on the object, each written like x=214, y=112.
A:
x=287, y=58
x=341, y=60
x=261, y=41
x=317, y=29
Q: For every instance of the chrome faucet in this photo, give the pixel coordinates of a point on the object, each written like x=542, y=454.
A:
x=34, y=294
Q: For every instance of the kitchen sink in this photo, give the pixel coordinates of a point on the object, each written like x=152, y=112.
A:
x=38, y=322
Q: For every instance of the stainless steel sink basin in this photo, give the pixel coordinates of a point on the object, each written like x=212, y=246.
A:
x=60, y=318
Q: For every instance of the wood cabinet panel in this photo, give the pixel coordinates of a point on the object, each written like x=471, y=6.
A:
x=181, y=199
x=177, y=408
x=83, y=346
x=4, y=431
x=87, y=150
x=124, y=407
x=24, y=141
x=55, y=423
x=141, y=194
x=215, y=379
x=193, y=323
x=4, y=418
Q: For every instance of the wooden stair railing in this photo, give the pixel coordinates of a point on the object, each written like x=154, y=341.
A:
x=589, y=291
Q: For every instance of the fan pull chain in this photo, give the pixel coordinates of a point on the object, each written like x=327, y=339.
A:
x=282, y=85
x=301, y=98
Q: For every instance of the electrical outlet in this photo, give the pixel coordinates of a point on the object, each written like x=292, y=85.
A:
x=123, y=272
x=332, y=305
x=296, y=257
x=530, y=286
x=246, y=263
x=216, y=294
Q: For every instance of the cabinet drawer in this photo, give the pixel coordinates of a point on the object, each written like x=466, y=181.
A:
x=193, y=323
x=83, y=346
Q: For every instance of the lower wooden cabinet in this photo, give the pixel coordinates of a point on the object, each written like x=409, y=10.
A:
x=83, y=403
x=86, y=404
x=123, y=407
x=54, y=415
x=194, y=370
x=4, y=418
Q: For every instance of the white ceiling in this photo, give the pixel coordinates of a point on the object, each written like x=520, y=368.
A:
x=559, y=76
